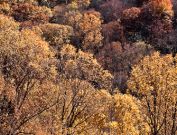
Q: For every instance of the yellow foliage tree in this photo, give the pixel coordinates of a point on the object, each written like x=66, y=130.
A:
x=127, y=116
x=90, y=26
x=56, y=35
x=76, y=111
x=84, y=66
x=79, y=4
x=123, y=115
x=154, y=81
x=26, y=65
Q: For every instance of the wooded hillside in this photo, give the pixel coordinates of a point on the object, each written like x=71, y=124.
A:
x=88, y=67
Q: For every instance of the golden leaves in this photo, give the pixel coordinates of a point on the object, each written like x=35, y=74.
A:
x=87, y=27
x=26, y=61
x=127, y=116
x=79, y=4
x=5, y=8
x=84, y=66
x=7, y=23
x=56, y=35
x=24, y=49
x=151, y=72
x=154, y=81
x=90, y=25
x=160, y=6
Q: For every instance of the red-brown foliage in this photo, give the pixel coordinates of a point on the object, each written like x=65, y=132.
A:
x=112, y=31
x=28, y=12
x=112, y=10
x=119, y=60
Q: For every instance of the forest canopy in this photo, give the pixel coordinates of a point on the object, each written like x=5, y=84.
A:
x=88, y=67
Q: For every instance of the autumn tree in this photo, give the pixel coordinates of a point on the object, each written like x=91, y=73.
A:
x=158, y=15
x=132, y=24
x=87, y=30
x=26, y=65
x=90, y=27
x=154, y=80
x=76, y=111
x=111, y=10
x=86, y=24
x=161, y=6
x=151, y=21
x=84, y=66
x=119, y=61
x=26, y=12
x=112, y=32
x=5, y=8
x=121, y=115
x=6, y=107
x=78, y=4
x=56, y=35
x=127, y=117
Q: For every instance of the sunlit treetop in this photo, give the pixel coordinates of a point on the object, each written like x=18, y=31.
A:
x=55, y=34
x=78, y=4
x=151, y=74
x=161, y=6
x=8, y=23
x=154, y=81
x=84, y=66
x=23, y=48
